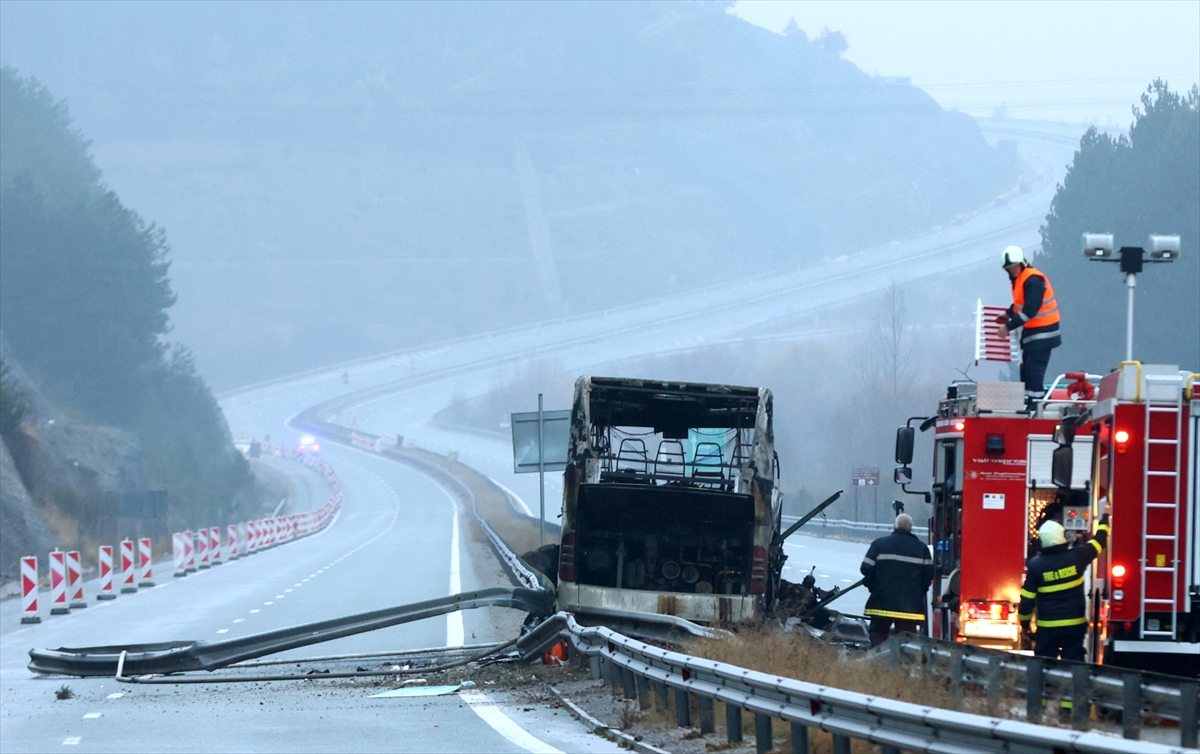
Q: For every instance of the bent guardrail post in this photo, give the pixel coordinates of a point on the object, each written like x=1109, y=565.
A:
x=178, y=657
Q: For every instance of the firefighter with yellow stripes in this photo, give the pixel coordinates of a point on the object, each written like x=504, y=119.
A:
x=1054, y=588
x=897, y=570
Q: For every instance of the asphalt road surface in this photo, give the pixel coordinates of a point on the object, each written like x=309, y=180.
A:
x=400, y=538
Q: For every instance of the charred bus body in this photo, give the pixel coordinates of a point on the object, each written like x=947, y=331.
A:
x=670, y=500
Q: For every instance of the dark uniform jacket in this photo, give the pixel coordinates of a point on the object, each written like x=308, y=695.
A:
x=1054, y=582
x=898, y=570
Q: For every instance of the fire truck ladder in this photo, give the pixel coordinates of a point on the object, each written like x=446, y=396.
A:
x=1158, y=603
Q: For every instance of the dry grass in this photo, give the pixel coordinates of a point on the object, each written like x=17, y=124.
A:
x=799, y=656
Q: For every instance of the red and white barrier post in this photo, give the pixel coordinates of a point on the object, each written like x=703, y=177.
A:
x=233, y=542
x=202, y=549
x=75, y=580
x=179, y=564
x=104, y=558
x=58, y=583
x=189, y=552
x=252, y=537
x=29, y=591
x=145, y=562
x=214, y=545
x=128, y=568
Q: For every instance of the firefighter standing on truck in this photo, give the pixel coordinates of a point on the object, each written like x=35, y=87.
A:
x=1035, y=312
x=1053, y=588
x=897, y=570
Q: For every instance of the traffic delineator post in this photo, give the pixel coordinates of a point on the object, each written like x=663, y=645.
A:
x=180, y=559
x=104, y=559
x=128, y=568
x=214, y=545
x=233, y=542
x=145, y=563
x=58, y=583
x=29, y=591
x=75, y=580
x=202, y=549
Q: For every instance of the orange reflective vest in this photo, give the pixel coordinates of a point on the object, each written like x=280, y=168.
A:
x=1048, y=313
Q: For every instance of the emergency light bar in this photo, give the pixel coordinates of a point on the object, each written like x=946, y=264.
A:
x=989, y=346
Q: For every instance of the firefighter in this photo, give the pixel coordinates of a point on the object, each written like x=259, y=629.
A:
x=1035, y=312
x=1054, y=589
x=897, y=570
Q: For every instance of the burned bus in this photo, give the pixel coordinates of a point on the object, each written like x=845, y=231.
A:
x=670, y=501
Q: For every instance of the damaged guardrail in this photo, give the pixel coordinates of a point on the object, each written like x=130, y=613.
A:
x=183, y=656
x=641, y=671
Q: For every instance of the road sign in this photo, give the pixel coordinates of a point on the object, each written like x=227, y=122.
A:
x=866, y=476
x=556, y=431
x=540, y=440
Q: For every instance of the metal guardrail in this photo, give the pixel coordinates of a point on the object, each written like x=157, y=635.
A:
x=819, y=526
x=1135, y=694
x=641, y=671
x=183, y=656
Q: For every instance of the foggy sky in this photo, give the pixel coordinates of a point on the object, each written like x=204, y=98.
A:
x=1082, y=62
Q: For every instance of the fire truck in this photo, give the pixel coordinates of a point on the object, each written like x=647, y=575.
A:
x=1000, y=469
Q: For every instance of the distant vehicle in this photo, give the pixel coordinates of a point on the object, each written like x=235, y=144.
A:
x=670, y=501
x=308, y=444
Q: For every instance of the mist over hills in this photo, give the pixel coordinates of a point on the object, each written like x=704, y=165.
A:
x=342, y=179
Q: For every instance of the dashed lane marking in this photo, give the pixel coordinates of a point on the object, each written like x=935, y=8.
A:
x=72, y=740
x=255, y=610
x=268, y=603
x=238, y=620
x=116, y=695
x=223, y=630
x=93, y=715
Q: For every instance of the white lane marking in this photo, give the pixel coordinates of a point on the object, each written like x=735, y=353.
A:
x=288, y=590
x=513, y=496
x=268, y=603
x=238, y=620
x=848, y=581
x=278, y=597
x=455, y=632
x=116, y=695
x=93, y=715
x=504, y=725
x=72, y=741
x=223, y=631
x=255, y=610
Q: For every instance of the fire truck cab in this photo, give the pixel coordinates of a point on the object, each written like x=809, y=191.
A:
x=1000, y=470
x=993, y=486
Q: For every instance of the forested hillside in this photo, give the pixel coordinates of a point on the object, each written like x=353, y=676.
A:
x=343, y=179
x=84, y=296
x=1145, y=182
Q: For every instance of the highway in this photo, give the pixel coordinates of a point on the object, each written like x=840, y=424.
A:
x=401, y=538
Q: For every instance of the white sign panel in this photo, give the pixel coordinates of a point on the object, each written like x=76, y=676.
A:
x=993, y=501
x=556, y=430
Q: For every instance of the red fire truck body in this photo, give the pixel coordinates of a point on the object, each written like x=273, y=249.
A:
x=1145, y=424
x=1135, y=447
x=992, y=482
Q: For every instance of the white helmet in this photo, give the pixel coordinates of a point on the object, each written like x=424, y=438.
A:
x=1052, y=533
x=1012, y=255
